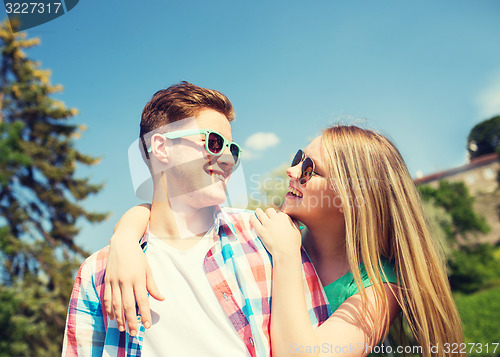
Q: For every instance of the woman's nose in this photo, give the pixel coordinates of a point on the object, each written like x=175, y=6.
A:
x=293, y=171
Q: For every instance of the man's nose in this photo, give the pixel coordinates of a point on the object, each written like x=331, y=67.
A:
x=226, y=160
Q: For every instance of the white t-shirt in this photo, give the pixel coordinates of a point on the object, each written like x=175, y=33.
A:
x=190, y=321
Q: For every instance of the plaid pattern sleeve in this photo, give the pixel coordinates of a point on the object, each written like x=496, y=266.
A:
x=88, y=331
x=86, y=324
x=317, y=302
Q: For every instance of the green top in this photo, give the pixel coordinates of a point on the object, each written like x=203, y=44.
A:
x=345, y=286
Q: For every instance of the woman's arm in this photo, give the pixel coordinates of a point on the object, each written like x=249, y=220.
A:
x=128, y=272
x=347, y=332
x=356, y=329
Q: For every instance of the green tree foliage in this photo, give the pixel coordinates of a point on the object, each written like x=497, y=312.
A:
x=474, y=268
x=498, y=173
x=471, y=266
x=441, y=225
x=39, y=202
x=484, y=137
x=454, y=197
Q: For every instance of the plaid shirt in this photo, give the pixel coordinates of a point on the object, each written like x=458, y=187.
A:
x=238, y=267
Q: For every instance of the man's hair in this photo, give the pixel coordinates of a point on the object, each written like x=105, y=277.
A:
x=180, y=101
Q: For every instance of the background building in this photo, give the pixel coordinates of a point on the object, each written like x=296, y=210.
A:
x=480, y=176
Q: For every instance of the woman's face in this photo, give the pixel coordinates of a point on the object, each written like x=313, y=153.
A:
x=314, y=200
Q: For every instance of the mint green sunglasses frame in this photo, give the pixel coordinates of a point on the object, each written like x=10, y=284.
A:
x=226, y=143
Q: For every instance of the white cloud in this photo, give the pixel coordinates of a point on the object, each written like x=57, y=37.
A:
x=248, y=154
x=489, y=99
x=261, y=141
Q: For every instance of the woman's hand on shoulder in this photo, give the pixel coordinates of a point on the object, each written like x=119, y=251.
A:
x=279, y=233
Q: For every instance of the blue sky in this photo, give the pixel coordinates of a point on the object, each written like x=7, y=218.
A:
x=421, y=72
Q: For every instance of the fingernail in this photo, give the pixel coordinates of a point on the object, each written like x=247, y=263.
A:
x=133, y=333
x=121, y=328
x=147, y=324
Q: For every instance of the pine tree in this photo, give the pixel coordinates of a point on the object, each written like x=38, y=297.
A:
x=39, y=202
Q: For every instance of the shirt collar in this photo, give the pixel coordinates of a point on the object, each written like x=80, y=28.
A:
x=223, y=219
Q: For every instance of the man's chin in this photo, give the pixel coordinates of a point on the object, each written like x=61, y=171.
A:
x=213, y=199
x=216, y=193
x=219, y=201
x=199, y=199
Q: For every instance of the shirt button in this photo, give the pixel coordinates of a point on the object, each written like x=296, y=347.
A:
x=251, y=341
x=225, y=296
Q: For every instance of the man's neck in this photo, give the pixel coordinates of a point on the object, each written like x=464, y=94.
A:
x=180, y=228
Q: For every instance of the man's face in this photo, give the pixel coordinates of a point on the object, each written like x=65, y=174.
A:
x=195, y=178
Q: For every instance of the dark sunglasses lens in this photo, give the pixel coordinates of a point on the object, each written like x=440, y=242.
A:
x=307, y=170
x=215, y=143
x=235, y=151
x=297, y=158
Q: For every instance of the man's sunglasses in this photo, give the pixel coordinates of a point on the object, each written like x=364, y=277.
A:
x=215, y=143
x=307, y=166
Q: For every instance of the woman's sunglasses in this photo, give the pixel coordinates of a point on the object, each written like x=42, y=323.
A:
x=215, y=143
x=307, y=166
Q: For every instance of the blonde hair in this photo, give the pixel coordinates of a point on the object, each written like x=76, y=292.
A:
x=384, y=218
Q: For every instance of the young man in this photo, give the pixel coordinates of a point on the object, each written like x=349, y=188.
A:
x=214, y=270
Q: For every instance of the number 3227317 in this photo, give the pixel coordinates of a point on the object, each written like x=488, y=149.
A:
x=33, y=8
x=470, y=347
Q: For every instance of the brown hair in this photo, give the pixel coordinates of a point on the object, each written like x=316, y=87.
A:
x=180, y=101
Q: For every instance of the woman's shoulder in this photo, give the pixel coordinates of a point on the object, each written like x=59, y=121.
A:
x=387, y=273
x=345, y=286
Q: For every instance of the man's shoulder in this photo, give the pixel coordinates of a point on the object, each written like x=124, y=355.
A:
x=237, y=213
x=238, y=220
x=99, y=256
x=95, y=263
x=246, y=246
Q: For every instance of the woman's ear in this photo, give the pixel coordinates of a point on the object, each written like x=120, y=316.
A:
x=159, y=147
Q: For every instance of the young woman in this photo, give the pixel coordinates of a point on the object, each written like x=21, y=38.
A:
x=369, y=242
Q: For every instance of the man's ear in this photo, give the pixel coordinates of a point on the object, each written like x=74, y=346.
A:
x=159, y=147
